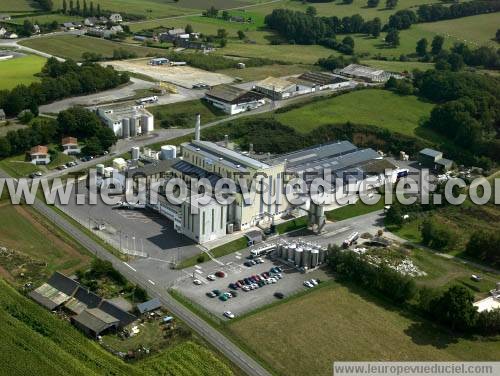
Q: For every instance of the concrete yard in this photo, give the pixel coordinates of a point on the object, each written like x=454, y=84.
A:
x=184, y=76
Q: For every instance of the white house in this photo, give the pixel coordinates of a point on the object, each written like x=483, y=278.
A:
x=39, y=155
x=115, y=18
x=70, y=145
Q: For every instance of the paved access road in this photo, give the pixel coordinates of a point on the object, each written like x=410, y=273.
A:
x=224, y=345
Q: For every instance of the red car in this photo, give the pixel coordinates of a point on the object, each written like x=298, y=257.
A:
x=220, y=274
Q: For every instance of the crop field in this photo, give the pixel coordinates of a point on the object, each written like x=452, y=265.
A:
x=381, y=108
x=72, y=47
x=334, y=323
x=20, y=70
x=24, y=232
x=36, y=341
x=11, y=6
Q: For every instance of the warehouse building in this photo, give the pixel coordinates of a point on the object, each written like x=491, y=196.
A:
x=127, y=121
x=365, y=73
x=434, y=160
x=233, y=100
x=276, y=88
x=324, y=81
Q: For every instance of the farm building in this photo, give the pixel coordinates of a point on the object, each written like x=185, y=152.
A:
x=233, y=100
x=322, y=81
x=39, y=155
x=55, y=292
x=276, y=88
x=171, y=35
x=366, y=73
x=70, y=145
x=127, y=121
x=10, y=35
x=149, y=306
x=434, y=160
x=159, y=61
x=115, y=18
x=5, y=17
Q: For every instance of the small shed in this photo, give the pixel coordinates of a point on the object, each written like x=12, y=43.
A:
x=254, y=237
x=149, y=306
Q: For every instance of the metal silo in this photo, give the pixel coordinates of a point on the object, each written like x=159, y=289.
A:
x=314, y=258
x=322, y=255
x=286, y=249
x=168, y=152
x=291, y=251
x=279, y=250
x=99, y=169
x=125, y=128
x=135, y=153
x=306, y=257
x=133, y=127
x=298, y=256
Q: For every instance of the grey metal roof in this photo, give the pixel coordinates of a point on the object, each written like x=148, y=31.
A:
x=124, y=317
x=190, y=169
x=87, y=297
x=149, y=306
x=226, y=92
x=44, y=300
x=95, y=320
x=254, y=235
x=430, y=152
x=62, y=283
x=321, y=78
x=444, y=162
x=153, y=168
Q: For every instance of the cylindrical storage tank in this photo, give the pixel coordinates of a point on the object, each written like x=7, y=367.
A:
x=133, y=127
x=125, y=128
x=168, y=152
x=279, y=250
x=291, y=252
x=284, y=252
x=135, y=153
x=322, y=256
x=314, y=258
x=147, y=124
x=307, y=257
x=108, y=171
x=298, y=256
x=99, y=169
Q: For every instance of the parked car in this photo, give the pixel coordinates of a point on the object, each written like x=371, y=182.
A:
x=220, y=274
x=229, y=314
x=216, y=292
x=245, y=288
x=62, y=167
x=196, y=281
x=210, y=294
x=223, y=298
x=211, y=277
x=308, y=284
x=279, y=295
x=233, y=286
x=248, y=264
x=313, y=282
x=476, y=278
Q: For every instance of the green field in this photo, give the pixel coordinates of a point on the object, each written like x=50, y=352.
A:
x=398, y=66
x=187, y=110
x=46, y=18
x=18, y=167
x=12, y=6
x=34, y=341
x=72, y=47
x=275, y=70
x=334, y=323
x=353, y=210
x=373, y=107
x=21, y=70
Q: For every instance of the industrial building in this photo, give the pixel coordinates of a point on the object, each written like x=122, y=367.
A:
x=233, y=100
x=127, y=121
x=434, y=160
x=302, y=255
x=324, y=81
x=276, y=88
x=365, y=73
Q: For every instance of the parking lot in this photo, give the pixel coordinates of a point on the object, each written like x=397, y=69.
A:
x=137, y=230
x=290, y=283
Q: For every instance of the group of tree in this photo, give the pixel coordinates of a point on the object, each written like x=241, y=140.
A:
x=303, y=28
x=60, y=80
x=437, y=12
x=377, y=278
x=74, y=9
x=76, y=121
x=392, y=38
x=345, y=47
x=333, y=62
x=211, y=12
x=46, y=5
x=485, y=246
x=467, y=112
x=438, y=235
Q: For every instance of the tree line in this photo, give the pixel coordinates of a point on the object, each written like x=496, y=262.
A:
x=76, y=122
x=74, y=8
x=60, y=80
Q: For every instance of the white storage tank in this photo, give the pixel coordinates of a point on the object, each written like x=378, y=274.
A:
x=108, y=171
x=322, y=256
x=147, y=124
x=119, y=164
x=168, y=152
x=307, y=257
x=284, y=254
x=135, y=153
x=291, y=252
x=99, y=169
x=314, y=258
x=133, y=127
x=298, y=256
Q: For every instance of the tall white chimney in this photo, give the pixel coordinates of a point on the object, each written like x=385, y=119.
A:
x=197, y=128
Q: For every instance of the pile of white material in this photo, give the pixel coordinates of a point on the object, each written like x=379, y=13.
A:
x=359, y=251
x=407, y=267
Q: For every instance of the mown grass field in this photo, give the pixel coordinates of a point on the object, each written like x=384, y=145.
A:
x=21, y=70
x=373, y=107
x=275, y=70
x=17, y=166
x=398, y=66
x=72, y=47
x=334, y=323
x=7, y=6
x=187, y=110
x=24, y=231
x=353, y=210
x=34, y=341
x=46, y=18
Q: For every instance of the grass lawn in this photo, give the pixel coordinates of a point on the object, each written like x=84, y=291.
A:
x=24, y=231
x=46, y=18
x=381, y=108
x=187, y=110
x=294, y=224
x=275, y=70
x=398, y=66
x=72, y=47
x=17, y=166
x=334, y=323
x=11, y=6
x=353, y=210
x=219, y=251
x=18, y=71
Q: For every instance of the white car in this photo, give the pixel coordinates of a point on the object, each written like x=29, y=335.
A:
x=313, y=282
x=273, y=280
x=308, y=284
x=245, y=288
x=229, y=314
x=279, y=276
x=260, y=260
x=196, y=281
x=211, y=277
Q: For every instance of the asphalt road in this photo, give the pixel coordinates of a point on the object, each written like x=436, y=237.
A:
x=224, y=345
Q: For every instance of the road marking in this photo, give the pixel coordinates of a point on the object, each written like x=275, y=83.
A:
x=197, y=266
x=150, y=281
x=157, y=259
x=198, y=271
x=238, y=257
x=129, y=266
x=238, y=253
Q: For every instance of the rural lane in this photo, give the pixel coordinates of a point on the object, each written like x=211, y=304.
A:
x=211, y=335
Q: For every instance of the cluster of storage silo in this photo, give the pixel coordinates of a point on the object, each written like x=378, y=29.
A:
x=301, y=254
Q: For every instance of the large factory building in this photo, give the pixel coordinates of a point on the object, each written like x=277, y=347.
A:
x=127, y=121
